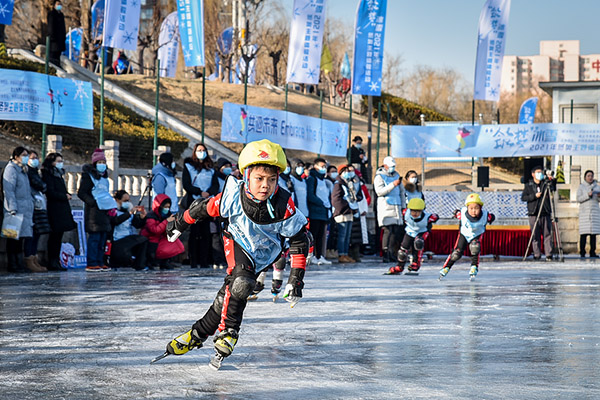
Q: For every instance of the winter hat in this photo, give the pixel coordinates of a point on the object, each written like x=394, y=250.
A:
x=98, y=155
x=389, y=162
x=221, y=162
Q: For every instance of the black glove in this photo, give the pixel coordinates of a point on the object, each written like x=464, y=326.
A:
x=295, y=284
x=196, y=211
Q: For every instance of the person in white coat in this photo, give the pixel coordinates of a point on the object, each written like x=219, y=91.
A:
x=589, y=213
x=391, y=200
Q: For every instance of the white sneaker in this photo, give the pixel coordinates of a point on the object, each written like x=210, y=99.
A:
x=324, y=261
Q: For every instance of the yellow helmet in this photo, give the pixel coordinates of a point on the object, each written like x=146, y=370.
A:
x=416, y=204
x=473, y=198
x=262, y=152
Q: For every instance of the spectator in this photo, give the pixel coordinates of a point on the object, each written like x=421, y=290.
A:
x=412, y=189
x=128, y=248
x=358, y=157
x=285, y=180
x=41, y=226
x=57, y=32
x=345, y=200
x=391, y=201
x=331, y=251
x=589, y=213
x=160, y=250
x=199, y=181
x=94, y=192
x=318, y=198
x=17, y=200
x=533, y=193
x=359, y=235
x=224, y=169
x=163, y=179
x=299, y=186
x=59, y=209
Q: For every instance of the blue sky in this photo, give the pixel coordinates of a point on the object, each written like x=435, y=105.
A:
x=443, y=33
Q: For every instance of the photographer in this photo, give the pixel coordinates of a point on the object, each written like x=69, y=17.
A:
x=533, y=194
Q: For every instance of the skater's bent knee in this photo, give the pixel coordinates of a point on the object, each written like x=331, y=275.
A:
x=419, y=243
x=242, y=287
x=456, y=255
x=475, y=247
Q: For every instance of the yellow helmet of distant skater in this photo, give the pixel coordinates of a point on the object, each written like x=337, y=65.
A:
x=416, y=204
x=262, y=152
x=473, y=198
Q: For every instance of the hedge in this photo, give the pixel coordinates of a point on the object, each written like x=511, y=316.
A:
x=403, y=111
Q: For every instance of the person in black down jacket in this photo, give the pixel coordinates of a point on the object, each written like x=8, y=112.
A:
x=41, y=226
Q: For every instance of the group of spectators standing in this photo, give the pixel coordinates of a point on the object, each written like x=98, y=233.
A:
x=334, y=198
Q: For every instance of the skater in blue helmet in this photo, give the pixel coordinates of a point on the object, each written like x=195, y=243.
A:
x=417, y=225
x=473, y=220
x=257, y=219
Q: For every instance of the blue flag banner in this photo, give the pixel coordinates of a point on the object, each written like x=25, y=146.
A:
x=73, y=44
x=29, y=96
x=345, y=68
x=243, y=124
x=527, y=111
x=491, y=37
x=306, y=41
x=168, y=45
x=510, y=140
x=6, y=11
x=191, y=31
x=97, y=20
x=368, y=47
x=121, y=24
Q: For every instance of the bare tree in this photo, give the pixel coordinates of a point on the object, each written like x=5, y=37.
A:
x=391, y=75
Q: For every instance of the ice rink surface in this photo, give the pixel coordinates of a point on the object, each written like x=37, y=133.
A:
x=520, y=331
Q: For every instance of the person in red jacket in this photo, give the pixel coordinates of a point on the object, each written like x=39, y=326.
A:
x=159, y=248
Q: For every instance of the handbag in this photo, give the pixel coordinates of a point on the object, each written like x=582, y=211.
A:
x=11, y=226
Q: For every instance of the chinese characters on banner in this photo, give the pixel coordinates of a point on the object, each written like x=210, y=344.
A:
x=368, y=47
x=168, y=42
x=510, y=140
x=493, y=21
x=121, y=24
x=191, y=31
x=306, y=40
x=243, y=124
x=6, y=11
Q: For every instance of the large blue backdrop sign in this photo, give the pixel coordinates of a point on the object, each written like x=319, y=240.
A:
x=511, y=140
x=243, y=124
x=29, y=96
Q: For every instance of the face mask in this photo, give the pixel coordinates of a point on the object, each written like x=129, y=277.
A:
x=299, y=170
x=413, y=180
x=348, y=175
x=227, y=170
x=24, y=160
x=358, y=145
x=101, y=167
x=34, y=163
x=322, y=170
x=127, y=205
x=58, y=7
x=59, y=165
x=333, y=175
x=539, y=176
x=287, y=170
x=164, y=211
x=351, y=174
x=391, y=170
x=201, y=155
x=173, y=165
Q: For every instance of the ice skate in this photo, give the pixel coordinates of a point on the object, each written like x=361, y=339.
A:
x=181, y=345
x=396, y=270
x=258, y=287
x=443, y=272
x=413, y=269
x=224, y=345
x=276, y=288
x=473, y=272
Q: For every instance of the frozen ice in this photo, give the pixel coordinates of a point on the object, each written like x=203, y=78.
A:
x=521, y=330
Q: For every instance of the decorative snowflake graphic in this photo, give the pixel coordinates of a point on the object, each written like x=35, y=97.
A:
x=128, y=37
x=311, y=73
x=81, y=93
x=4, y=9
x=374, y=86
x=187, y=55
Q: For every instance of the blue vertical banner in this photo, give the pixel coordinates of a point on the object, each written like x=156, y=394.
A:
x=73, y=44
x=168, y=45
x=6, y=11
x=491, y=38
x=191, y=31
x=527, y=111
x=368, y=47
x=306, y=41
x=121, y=24
x=97, y=20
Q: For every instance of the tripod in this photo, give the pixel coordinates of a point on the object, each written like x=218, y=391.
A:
x=554, y=231
x=149, y=178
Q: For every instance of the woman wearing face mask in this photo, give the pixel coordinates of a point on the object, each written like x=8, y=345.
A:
x=199, y=182
x=588, y=196
x=163, y=179
x=128, y=248
x=41, y=226
x=17, y=200
x=391, y=200
x=299, y=183
x=411, y=186
x=59, y=209
x=160, y=250
x=345, y=198
x=94, y=192
x=224, y=169
x=331, y=252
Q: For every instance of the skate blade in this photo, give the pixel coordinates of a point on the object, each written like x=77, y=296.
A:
x=275, y=297
x=472, y=277
x=159, y=357
x=414, y=273
x=216, y=361
x=252, y=297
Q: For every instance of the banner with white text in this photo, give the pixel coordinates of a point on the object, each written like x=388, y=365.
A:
x=121, y=24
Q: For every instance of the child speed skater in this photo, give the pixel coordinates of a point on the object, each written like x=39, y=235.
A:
x=417, y=225
x=256, y=220
x=473, y=220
